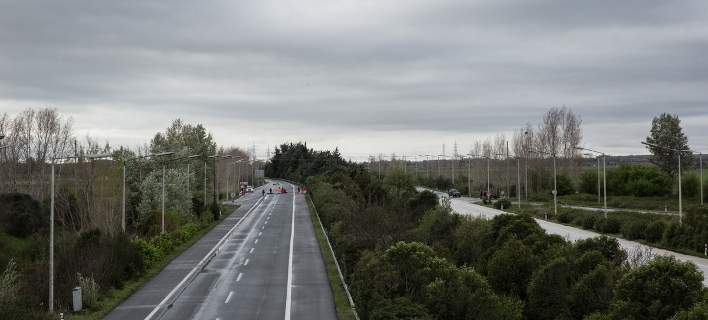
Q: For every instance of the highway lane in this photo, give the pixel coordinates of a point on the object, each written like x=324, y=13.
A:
x=466, y=207
x=270, y=268
x=145, y=299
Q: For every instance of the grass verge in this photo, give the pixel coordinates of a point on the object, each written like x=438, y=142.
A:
x=114, y=297
x=341, y=302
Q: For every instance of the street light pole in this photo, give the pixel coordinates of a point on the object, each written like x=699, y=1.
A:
x=488, y=188
x=518, y=180
x=469, y=177
x=598, y=179
x=700, y=161
x=679, y=190
x=555, y=189
x=51, y=246
x=680, y=205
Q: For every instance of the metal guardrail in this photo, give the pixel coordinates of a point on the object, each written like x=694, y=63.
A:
x=336, y=262
x=171, y=297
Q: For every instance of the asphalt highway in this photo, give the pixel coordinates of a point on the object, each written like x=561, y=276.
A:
x=270, y=268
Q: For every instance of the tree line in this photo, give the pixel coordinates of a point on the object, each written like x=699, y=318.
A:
x=406, y=256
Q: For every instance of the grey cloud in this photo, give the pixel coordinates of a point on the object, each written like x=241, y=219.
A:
x=360, y=66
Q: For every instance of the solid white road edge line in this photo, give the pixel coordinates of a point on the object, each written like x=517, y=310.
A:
x=201, y=263
x=288, y=295
x=240, y=274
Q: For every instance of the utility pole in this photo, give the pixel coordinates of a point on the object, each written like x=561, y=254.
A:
x=680, y=204
x=518, y=180
x=598, y=179
x=700, y=161
x=469, y=177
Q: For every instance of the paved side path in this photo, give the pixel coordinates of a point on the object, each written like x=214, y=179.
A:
x=467, y=208
x=141, y=303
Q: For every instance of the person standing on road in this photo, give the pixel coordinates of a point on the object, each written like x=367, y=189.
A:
x=263, y=192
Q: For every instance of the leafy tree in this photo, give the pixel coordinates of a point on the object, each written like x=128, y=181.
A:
x=564, y=185
x=177, y=198
x=400, y=308
x=588, y=262
x=666, y=131
x=657, y=290
x=20, y=215
x=638, y=180
x=510, y=268
x=654, y=231
x=465, y=294
x=593, y=292
x=588, y=182
x=609, y=247
x=697, y=312
x=548, y=291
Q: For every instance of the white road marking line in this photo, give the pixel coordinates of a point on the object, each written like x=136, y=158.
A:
x=266, y=222
x=260, y=233
x=288, y=294
x=251, y=251
x=254, y=242
x=246, y=263
x=229, y=297
x=240, y=274
x=263, y=227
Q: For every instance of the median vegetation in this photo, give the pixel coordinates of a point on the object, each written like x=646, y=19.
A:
x=406, y=256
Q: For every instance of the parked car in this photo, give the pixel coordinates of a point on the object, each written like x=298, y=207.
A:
x=249, y=189
x=453, y=193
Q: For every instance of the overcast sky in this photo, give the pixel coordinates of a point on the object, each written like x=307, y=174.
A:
x=368, y=76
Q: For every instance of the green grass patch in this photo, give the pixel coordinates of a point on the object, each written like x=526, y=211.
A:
x=341, y=302
x=114, y=297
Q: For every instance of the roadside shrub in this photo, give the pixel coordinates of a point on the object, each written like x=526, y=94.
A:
x=502, y=203
x=20, y=215
x=163, y=243
x=610, y=225
x=676, y=236
x=89, y=291
x=690, y=185
x=148, y=252
x=633, y=230
x=588, y=222
x=638, y=180
x=654, y=231
x=564, y=185
x=565, y=217
x=186, y=232
x=588, y=182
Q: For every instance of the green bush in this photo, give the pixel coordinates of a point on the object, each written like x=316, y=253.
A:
x=187, y=232
x=610, y=225
x=564, y=185
x=502, y=203
x=638, y=180
x=633, y=230
x=588, y=222
x=148, y=252
x=690, y=185
x=565, y=217
x=89, y=290
x=588, y=182
x=20, y=215
x=654, y=231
